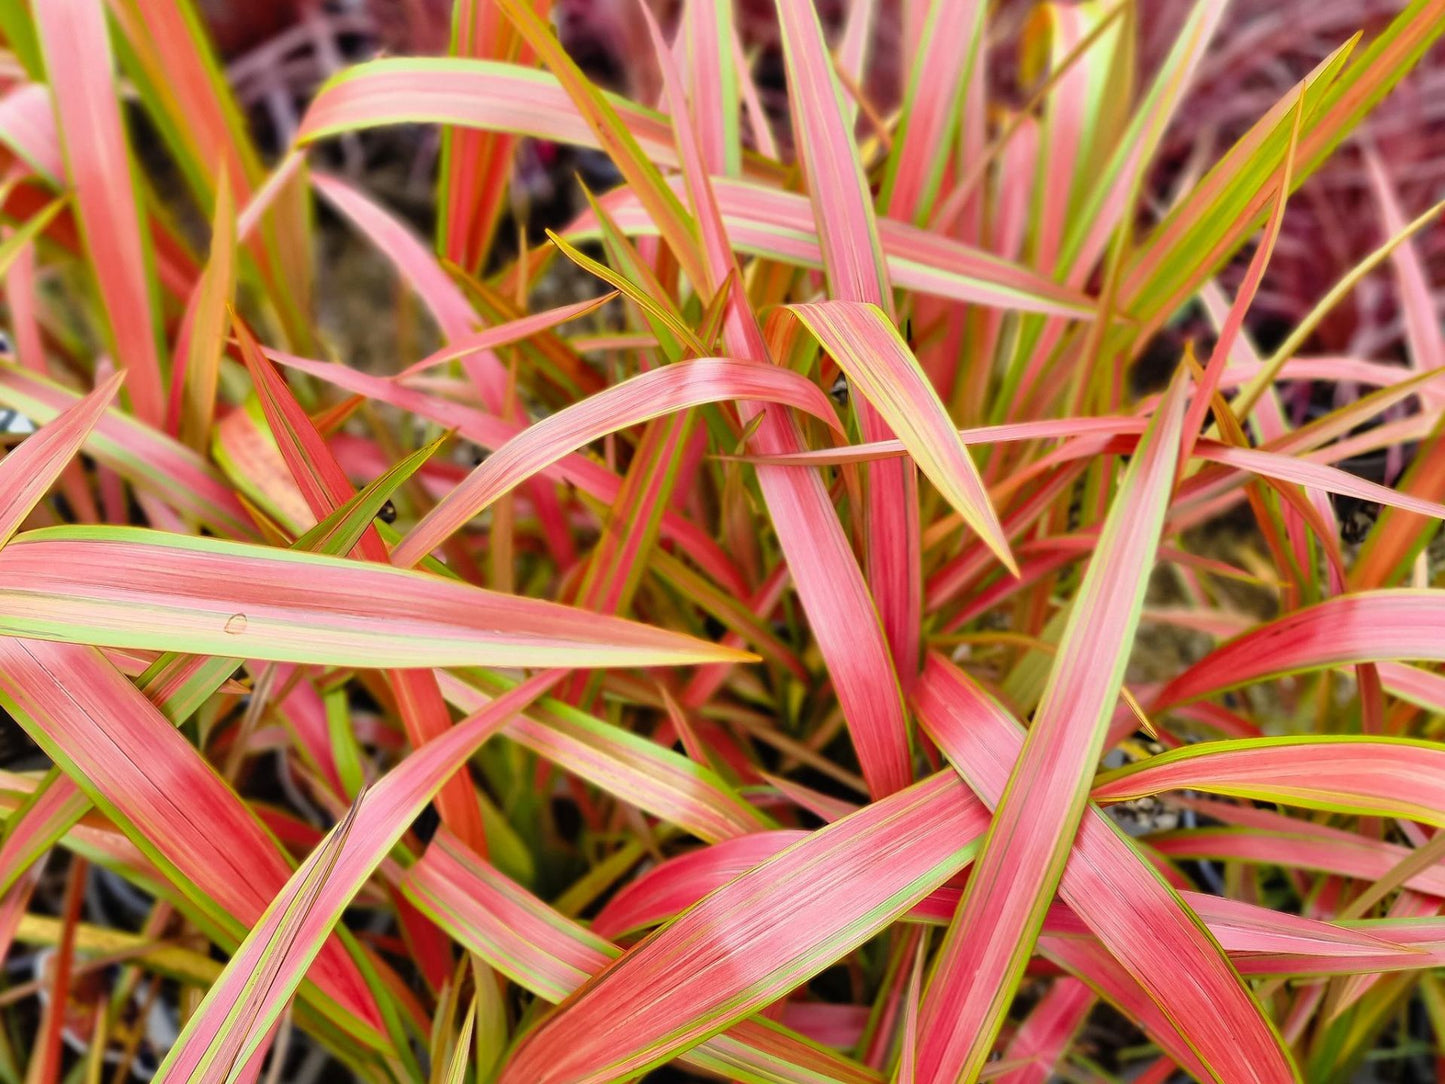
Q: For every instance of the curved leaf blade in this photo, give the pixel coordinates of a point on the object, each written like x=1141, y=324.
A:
x=128, y=587
x=246, y=1000
x=143, y=774
x=756, y=938
x=1377, y=626
x=81, y=65
x=552, y=956
x=866, y=345
x=1119, y=895
x=641, y=398
x=1389, y=777
x=991, y=938
x=29, y=470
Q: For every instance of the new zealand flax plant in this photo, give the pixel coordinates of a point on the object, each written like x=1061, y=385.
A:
x=749, y=665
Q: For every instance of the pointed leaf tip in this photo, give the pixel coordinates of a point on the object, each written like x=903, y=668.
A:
x=879, y=364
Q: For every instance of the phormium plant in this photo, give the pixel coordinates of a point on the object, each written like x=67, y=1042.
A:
x=735, y=667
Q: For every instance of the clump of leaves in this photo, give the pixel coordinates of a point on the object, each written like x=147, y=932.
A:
x=771, y=721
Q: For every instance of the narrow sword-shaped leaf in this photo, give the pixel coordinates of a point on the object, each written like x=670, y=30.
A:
x=779, y=225
x=750, y=942
x=1390, y=777
x=1427, y=345
x=1046, y=429
x=878, y=362
x=1276, y=466
x=643, y=397
x=127, y=587
x=240, y=1008
x=1240, y=929
x=226, y=1057
x=81, y=66
x=485, y=94
x=27, y=127
x=991, y=938
x=1229, y=331
x=492, y=432
x=503, y=334
x=932, y=110
x=856, y=271
x=626, y=765
x=1118, y=894
x=142, y=455
x=475, y=166
x=144, y=775
x=205, y=326
x=28, y=471
x=1044, y=1037
x=718, y=83
x=1357, y=856
x=1375, y=626
x=552, y=956
x=1110, y=196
